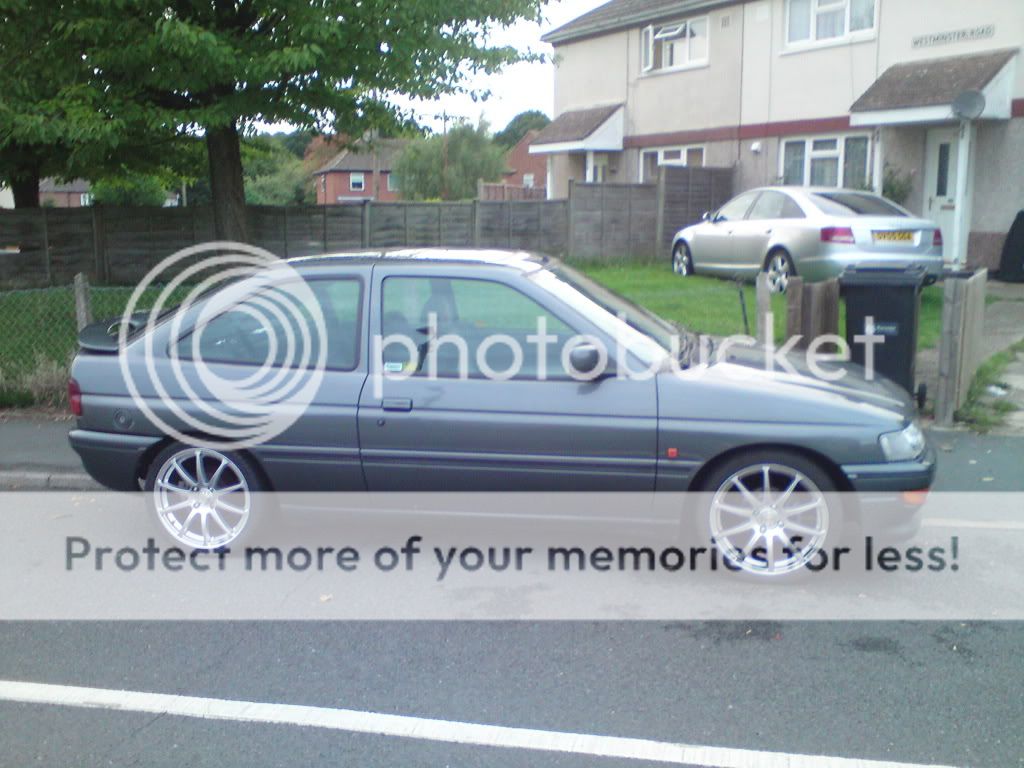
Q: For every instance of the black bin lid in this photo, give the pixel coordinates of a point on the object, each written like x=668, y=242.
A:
x=871, y=275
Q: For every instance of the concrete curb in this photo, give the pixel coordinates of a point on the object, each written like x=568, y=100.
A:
x=45, y=480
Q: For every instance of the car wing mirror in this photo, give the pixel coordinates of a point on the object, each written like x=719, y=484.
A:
x=706, y=216
x=588, y=363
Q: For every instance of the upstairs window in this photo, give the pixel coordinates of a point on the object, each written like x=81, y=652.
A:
x=819, y=21
x=356, y=181
x=678, y=45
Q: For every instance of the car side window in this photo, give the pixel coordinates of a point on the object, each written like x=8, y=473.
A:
x=248, y=334
x=775, y=205
x=467, y=325
x=736, y=208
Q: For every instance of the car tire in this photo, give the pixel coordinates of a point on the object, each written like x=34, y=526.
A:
x=780, y=269
x=769, y=513
x=205, y=498
x=682, y=260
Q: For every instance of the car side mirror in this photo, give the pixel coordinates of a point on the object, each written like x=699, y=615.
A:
x=586, y=361
x=706, y=216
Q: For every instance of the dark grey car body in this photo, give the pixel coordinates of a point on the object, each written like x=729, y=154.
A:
x=525, y=435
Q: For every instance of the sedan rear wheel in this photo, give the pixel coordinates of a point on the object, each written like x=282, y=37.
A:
x=204, y=498
x=771, y=513
x=682, y=261
x=779, y=267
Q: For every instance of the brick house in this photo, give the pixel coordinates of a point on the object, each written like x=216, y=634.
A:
x=524, y=169
x=361, y=172
x=72, y=194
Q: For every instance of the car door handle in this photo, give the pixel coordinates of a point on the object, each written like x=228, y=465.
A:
x=396, y=404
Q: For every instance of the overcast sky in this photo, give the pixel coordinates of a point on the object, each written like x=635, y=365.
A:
x=519, y=87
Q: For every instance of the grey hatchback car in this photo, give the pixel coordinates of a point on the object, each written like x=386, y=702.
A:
x=567, y=419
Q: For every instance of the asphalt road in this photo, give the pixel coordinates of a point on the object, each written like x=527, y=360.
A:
x=942, y=693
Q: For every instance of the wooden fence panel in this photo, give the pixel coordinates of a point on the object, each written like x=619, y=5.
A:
x=961, y=344
x=456, y=224
x=304, y=230
x=387, y=225
x=423, y=224
x=493, y=224
x=344, y=227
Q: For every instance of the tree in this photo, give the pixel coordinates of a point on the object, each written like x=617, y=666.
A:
x=448, y=167
x=218, y=67
x=531, y=120
x=53, y=122
x=274, y=173
x=129, y=190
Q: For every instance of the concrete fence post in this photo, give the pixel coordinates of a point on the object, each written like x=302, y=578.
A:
x=763, y=302
x=83, y=301
x=364, y=224
x=475, y=216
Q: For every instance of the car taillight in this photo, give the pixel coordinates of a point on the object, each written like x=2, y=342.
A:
x=837, y=235
x=75, y=397
x=937, y=238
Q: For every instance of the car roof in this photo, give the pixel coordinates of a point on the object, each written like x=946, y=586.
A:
x=798, y=190
x=522, y=260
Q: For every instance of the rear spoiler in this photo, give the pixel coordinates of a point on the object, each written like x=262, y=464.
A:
x=103, y=336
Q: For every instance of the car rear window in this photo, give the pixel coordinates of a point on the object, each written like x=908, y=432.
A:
x=855, y=204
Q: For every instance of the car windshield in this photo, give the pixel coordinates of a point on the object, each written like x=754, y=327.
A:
x=855, y=204
x=644, y=333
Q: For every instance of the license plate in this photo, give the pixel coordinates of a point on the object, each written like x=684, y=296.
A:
x=893, y=237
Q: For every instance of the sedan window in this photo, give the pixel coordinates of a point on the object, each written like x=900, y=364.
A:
x=775, y=205
x=855, y=204
x=736, y=208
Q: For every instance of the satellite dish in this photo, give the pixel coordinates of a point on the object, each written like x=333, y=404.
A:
x=969, y=105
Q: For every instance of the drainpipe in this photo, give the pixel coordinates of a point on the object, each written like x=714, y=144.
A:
x=962, y=214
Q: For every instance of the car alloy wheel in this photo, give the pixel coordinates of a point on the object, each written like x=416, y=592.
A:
x=682, y=262
x=779, y=269
x=202, y=498
x=769, y=519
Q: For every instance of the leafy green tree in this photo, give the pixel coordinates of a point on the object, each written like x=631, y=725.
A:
x=53, y=120
x=274, y=174
x=447, y=167
x=129, y=190
x=531, y=120
x=219, y=67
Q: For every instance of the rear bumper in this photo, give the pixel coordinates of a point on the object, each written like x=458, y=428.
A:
x=833, y=261
x=111, y=459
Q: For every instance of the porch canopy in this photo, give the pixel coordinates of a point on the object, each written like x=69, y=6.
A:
x=583, y=130
x=923, y=91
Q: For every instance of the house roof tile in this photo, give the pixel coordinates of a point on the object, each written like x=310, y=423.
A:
x=932, y=82
x=574, y=125
x=360, y=157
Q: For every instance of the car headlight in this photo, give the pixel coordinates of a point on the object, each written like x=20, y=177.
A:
x=904, y=445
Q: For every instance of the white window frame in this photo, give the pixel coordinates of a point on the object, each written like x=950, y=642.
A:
x=355, y=177
x=668, y=31
x=824, y=154
x=682, y=149
x=813, y=42
x=529, y=180
x=85, y=199
x=392, y=185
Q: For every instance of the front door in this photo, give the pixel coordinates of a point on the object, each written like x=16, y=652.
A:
x=940, y=180
x=457, y=428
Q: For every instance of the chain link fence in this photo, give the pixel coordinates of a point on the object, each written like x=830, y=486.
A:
x=38, y=338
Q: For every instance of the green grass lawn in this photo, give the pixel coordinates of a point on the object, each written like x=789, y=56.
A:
x=709, y=305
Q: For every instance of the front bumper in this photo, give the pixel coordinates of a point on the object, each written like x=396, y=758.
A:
x=112, y=459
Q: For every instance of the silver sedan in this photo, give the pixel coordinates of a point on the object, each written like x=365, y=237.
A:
x=808, y=231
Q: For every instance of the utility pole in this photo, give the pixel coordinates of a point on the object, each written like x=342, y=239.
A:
x=444, y=156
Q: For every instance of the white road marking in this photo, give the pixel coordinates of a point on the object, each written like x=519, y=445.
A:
x=988, y=525
x=423, y=728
